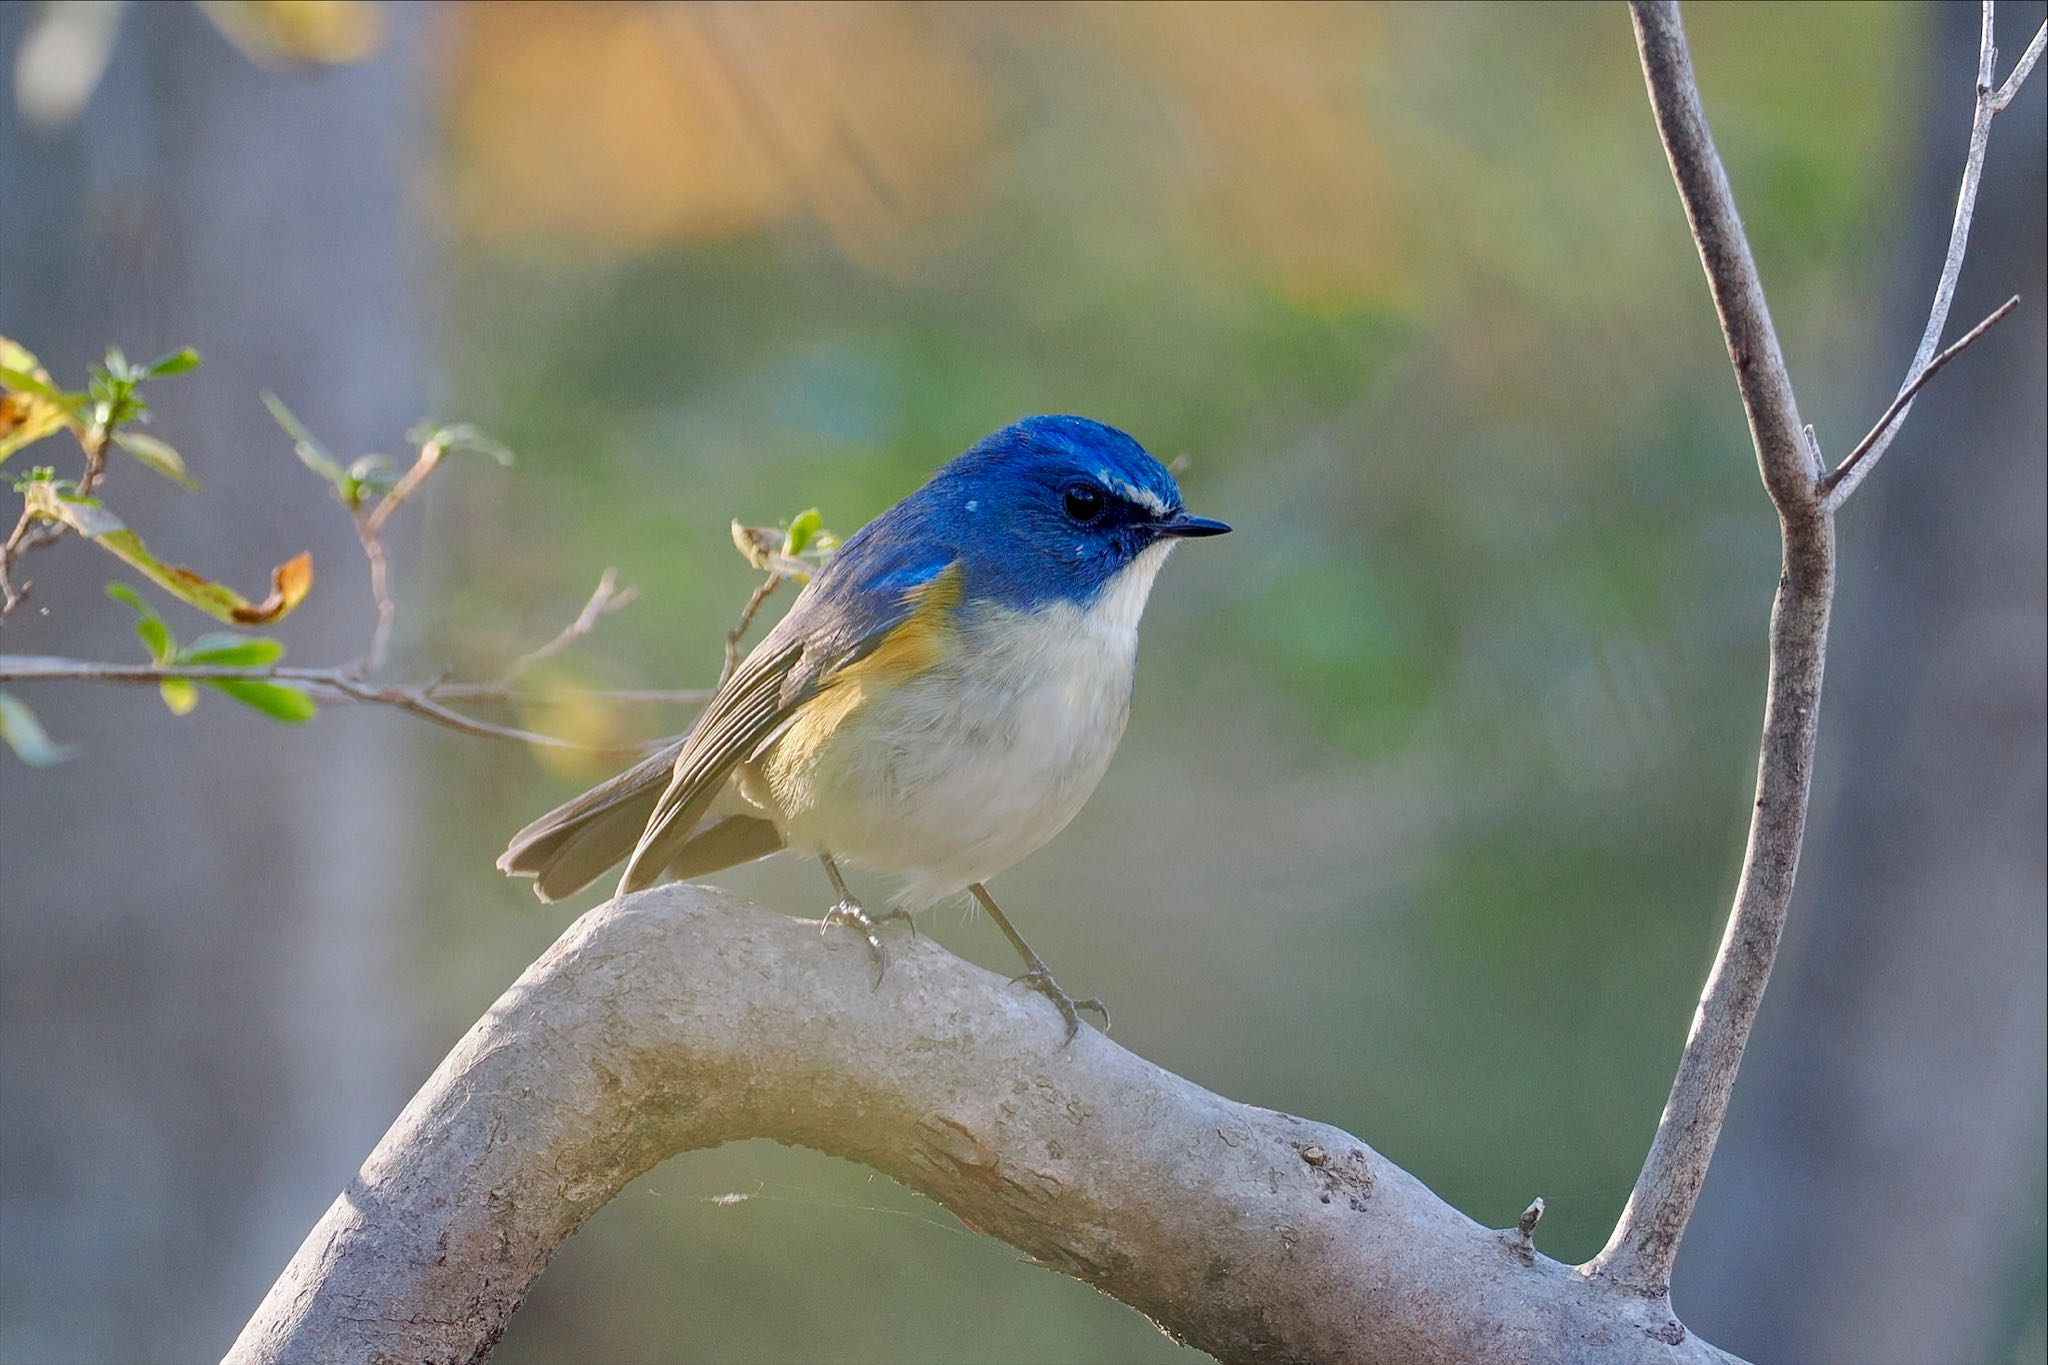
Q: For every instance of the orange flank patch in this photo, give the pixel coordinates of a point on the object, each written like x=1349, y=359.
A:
x=911, y=648
x=915, y=645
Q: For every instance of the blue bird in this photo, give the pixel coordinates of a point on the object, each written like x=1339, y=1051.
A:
x=940, y=701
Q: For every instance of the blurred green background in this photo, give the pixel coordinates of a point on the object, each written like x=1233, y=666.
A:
x=1438, y=773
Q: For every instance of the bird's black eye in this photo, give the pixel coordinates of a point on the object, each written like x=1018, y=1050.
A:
x=1083, y=502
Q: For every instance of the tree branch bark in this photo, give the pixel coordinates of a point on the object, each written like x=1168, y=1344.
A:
x=682, y=1018
x=1640, y=1253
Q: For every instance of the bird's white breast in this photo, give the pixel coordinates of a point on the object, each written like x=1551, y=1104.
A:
x=954, y=775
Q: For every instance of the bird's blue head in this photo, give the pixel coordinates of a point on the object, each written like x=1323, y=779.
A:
x=1057, y=509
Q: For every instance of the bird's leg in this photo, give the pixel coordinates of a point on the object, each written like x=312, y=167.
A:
x=1036, y=974
x=851, y=911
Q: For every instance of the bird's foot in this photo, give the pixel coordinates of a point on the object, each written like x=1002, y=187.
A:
x=852, y=913
x=1039, y=979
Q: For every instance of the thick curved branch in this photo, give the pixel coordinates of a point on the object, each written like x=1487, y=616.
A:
x=682, y=1018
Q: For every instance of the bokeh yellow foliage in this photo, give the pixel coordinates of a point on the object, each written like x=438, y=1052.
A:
x=623, y=127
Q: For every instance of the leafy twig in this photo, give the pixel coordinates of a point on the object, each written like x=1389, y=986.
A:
x=329, y=684
x=112, y=400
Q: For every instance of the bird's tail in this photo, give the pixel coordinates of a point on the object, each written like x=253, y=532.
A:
x=572, y=845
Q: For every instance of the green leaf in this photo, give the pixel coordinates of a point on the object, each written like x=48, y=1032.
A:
x=23, y=733
x=280, y=701
x=150, y=628
x=311, y=453
x=21, y=381
x=155, y=635
x=459, y=438
x=180, y=694
x=158, y=455
x=177, y=362
x=803, y=528
x=225, y=649
x=372, y=474
x=289, y=581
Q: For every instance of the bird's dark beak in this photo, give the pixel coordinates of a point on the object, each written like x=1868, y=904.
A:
x=1181, y=526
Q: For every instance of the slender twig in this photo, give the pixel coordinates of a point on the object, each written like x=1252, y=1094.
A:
x=23, y=538
x=418, y=703
x=408, y=484
x=369, y=524
x=380, y=592
x=329, y=684
x=498, y=692
x=94, y=440
x=607, y=599
x=33, y=533
x=738, y=632
x=1645, y=1241
x=1897, y=411
x=1990, y=99
x=2021, y=70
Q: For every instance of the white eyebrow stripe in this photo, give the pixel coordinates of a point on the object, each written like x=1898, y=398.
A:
x=1130, y=492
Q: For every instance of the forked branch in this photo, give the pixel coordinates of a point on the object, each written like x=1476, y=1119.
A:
x=1640, y=1253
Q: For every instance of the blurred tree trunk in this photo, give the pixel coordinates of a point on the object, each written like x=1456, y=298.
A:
x=1878, y=1191
x=234, y=877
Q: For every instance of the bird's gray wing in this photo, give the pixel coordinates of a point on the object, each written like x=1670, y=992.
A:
x=743, y=714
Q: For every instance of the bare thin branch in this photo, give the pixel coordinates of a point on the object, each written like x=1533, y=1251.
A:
x=32, y=533
x=408, y=484
x=328, y=684
x=607, y=599
x=761, y=593
x=369, y=524
x=1640, y=1253
x=535, y=696
x=27, y=535
x=1897, y=411
x=417, y=702
x=1989, y=100
x=380, y=592
x=2021, y=70
x=1767, y=401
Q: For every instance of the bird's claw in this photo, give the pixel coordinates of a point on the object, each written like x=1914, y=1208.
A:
x=1040, y=980
x=853, y=914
